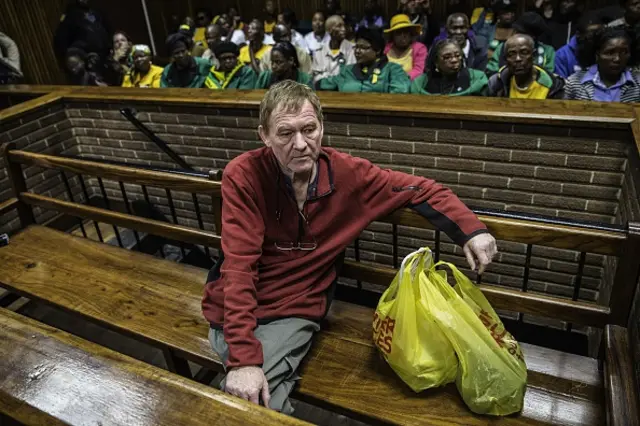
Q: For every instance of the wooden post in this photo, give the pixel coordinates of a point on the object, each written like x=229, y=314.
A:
x=626, y=277
x=19, y=185
x=216, y=175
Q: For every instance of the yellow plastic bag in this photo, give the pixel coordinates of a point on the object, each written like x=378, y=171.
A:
x=492, y=374
x=405, y=332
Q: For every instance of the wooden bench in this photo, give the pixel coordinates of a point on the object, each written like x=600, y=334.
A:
x=159, y=303
x=50, y=377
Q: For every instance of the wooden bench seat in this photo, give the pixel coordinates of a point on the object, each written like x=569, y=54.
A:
x=157, y=301
x=50, y=377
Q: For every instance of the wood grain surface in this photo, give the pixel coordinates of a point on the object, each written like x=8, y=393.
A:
x=620, y=379
x=8, y=205
x=158, y=302
x=48, y=376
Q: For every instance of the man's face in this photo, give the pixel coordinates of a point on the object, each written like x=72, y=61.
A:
x=519, y=51
x=180, y=56
x=228, y=62
x=295, y=139
x=317, y=23
x=506, y=19
x=457, y=29
x=202, y=20
x=225, y=25
x=213, y=36
x=632, y=10
x=339, y=31
x=255, y=31
x=269, y=7
x=281, y=33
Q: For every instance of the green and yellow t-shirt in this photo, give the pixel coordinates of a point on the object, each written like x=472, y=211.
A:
x=245, y=57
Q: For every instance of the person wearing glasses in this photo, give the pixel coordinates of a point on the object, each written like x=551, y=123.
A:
x=606, y=75
x=372, y=72
x=284, y=66
x=447, y=74
x=290, y=211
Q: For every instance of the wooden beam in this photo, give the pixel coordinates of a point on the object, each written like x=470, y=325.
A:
x=8, y=205
x=620, y=379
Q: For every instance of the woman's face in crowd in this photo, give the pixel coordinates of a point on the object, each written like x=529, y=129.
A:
x=120, y=42
x=364, y=52
x=449, y=60
x=141, y=61
x=402, y=38
x=255, y=31
x=317, y=23
x=519, y=54
x=613, y=56
x=228, y=62
x=279, y=64
x=75, y=65
x=180, y=56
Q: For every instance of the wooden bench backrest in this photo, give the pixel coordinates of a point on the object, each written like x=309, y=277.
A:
x=624, y=245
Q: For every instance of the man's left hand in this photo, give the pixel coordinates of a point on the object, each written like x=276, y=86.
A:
x=480, y=251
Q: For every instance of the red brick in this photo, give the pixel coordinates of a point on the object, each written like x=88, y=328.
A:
x=461, y=164
x=538, y=158
x=369, y=130
x=509, y=169
x=481, y=153
x=438, y=149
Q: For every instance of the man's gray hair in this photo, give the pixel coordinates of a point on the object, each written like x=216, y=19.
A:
x=287, y=96
x=527, y=37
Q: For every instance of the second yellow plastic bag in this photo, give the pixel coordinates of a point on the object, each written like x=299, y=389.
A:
x=492, y=374
x=405, y=332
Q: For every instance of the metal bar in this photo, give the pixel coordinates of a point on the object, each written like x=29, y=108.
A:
x=578, y=283
x=394, y=248
x=175, y=218
x=148, y=22
x=70, y=194
x=437, y=243
x=86, y=197
x=525, y=276
x=148, y=201
x=128, y=207
x=129, y=114
x=177, y=365
x=108, y=205
x=196, y=207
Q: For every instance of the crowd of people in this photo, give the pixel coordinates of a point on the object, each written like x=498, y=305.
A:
x=558, y=49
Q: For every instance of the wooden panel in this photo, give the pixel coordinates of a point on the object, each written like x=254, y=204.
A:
x=620, y=379
x=150, y=226
x=32, y=105
x=8, y=205
x=501, y=298
x=132, y=175
x=44, y=369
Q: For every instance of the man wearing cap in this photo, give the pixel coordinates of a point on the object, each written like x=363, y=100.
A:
x=230, y=73
x=533, y=25
x=143, y=73
x=402, y=49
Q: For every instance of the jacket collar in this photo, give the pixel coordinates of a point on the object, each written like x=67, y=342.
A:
x=376, y=68
x=323, y=184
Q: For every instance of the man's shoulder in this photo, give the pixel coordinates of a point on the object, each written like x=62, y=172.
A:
x=247, y=165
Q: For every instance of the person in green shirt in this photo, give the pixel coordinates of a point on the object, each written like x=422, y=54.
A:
x=184, y=70
x=447, y=75
x=372, y=71
x=230, y=73
x=533, y=25
x=284, y=66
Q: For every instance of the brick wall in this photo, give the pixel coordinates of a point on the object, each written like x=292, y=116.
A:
x=47, y=130
x=559, y=172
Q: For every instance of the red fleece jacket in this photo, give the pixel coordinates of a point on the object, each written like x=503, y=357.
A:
x=260, y=282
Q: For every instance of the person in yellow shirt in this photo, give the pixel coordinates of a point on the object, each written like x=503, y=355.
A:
x=251, y=54
x=143, y=73
x=204, y=18
x=520, y=78
x=270, y=16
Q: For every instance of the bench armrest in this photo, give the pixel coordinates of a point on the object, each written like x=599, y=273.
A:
x=619, y=379
x=7, y=206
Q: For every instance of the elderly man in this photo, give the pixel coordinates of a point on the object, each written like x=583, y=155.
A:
x=473, y=47
x=339, y=51
x=521, y=78
x=290, y=210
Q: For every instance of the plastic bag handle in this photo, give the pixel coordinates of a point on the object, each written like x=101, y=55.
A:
x=456, y=272
x=411, y=257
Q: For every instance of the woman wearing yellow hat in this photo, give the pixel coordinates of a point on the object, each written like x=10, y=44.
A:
x=402, y=48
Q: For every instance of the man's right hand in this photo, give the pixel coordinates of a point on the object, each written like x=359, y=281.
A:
x=248, y=383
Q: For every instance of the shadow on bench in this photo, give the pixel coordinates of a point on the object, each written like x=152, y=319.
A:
x=159, y=303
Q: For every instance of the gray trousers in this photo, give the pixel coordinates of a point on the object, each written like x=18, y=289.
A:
x=285, y=342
